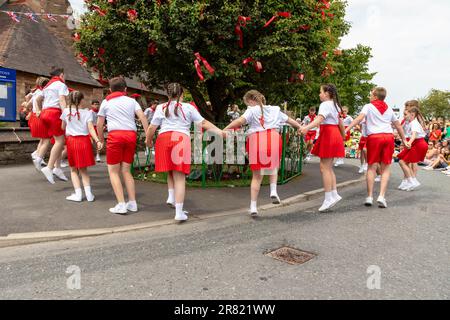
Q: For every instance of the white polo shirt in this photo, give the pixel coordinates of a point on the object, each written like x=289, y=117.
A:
x=149, y=113
x=418, y=129
x=273, y=118
x=52, y=94
x=347, y=121
x=120, y=113
x=307, y=120
x=187, y=114
x=34, y=98
x=75, y=127
x=330, y=112
x=376, y=122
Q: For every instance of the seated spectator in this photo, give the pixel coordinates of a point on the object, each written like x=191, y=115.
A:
x=442, y=160
x=432, y=154
x=436, y=133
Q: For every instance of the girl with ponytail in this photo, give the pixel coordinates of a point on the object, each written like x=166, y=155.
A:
x=264, y=143
x=173, y=145
x=77, y=123
x=330, y=144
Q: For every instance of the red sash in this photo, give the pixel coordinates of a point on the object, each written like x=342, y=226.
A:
x=380, y=105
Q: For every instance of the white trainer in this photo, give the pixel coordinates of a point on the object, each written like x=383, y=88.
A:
x=73, y=197
x=171, y=205
x=64, y=164
x=275, y=199
x=381, y=202
x=90, y=197
x=181, y=217
x=119, y=209
x=132, y=207
x=48, y=174
x=402, y=185
x=361, y=170
x=369, y=202
x=60, y=174
x=378, y=179
x=253, y=213
x=327, y=205
x=37, y=164
x=98, y=159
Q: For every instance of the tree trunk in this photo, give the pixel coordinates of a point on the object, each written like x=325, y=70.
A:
x=217, y=91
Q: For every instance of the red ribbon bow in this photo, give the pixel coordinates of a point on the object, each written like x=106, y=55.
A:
x=278, y=14
x=198, y=66
x=257, y=64
x=242, y=22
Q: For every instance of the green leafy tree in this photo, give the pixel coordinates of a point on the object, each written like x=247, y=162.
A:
x=436, y=104
x=157, y=41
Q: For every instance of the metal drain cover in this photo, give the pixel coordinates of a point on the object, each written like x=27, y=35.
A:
x=291, y=255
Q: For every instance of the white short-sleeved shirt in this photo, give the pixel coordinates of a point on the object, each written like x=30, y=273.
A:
x=94, y=117
x=273, y=118
x=187, y=114
x=120, y=113
x=347, y=121
x=330, y=112
x=363, y=126
x=149, y=113
x=417, y=128
x=407, y=129
x=75, y=127
x=34, y=97
x=307, y=120
x=377, y=122
x=52, y=94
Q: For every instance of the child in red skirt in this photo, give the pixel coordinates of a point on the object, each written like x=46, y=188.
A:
x=311, y=135
x=37, y=129
x=380, y=118
x=54, y=101
x=346, y=119
x=77, y=122
x=264, y=143
x=330, y=144
x=416, y=148
x=173, y=145
x=119, y=110
x=362, y=147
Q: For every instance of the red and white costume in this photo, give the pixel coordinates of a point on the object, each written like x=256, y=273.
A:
x=312, y=133
x=419, y=146
x=173, y=145
x=330, y=143
x=380, y=141
x=149, y=113
x=264, y=143
x=347, y=122
x=120, y=111
x=51, y=109
x=363, y=138
x=37, y=128
x=79, y=147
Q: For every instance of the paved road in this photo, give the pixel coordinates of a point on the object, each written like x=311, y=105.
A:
x=222, y=258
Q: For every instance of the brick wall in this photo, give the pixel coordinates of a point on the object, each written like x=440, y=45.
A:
x=16, y=145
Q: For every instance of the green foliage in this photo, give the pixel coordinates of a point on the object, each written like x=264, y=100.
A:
x=436, y=104
x=180, y=28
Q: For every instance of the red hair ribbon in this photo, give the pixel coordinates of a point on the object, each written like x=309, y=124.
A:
x=258, y=65
x=278, y=14
x=242, y=22
x=198, y=67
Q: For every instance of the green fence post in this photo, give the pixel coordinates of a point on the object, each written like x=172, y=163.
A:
x=283, y=157
x=203, y=163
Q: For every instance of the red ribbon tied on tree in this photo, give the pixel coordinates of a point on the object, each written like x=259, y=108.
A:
x=98, y=10
x=152, y=48
x=198, y=66
x=242, y=22
x=83, y=58
x=278, y=14
x=132, y=15
x=257, y=64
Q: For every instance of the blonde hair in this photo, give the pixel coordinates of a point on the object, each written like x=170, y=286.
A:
x=258, y=97
x=380, y=93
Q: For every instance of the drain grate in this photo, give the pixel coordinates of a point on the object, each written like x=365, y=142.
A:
x=291, y=255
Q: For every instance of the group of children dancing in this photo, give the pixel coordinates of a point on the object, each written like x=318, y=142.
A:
x=69, y=123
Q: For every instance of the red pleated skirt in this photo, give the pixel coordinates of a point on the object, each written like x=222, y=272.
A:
x=330, y=143
x=264, y=150
x=173, y=152
x=417, y=152
x=37, y=128
x=79, y=152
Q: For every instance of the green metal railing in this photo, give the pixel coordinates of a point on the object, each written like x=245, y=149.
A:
x=221, y=175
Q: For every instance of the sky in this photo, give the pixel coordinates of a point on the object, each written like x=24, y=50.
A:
x=410, y=41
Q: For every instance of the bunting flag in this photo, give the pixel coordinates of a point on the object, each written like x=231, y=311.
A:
x=13, y=16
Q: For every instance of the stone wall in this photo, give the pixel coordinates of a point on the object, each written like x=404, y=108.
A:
x=16, y=145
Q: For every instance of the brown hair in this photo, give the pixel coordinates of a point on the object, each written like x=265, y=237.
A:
x=380, y=93
x=117, y=84
x=56, y=71
x=259, y=98
x=174, y=91
x=413, y=103
x=75, y=98
x=418, y=114
x=332, y=91
x=41, y=82
x=312, y=109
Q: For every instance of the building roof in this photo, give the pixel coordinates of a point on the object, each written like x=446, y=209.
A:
x=30, y=47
